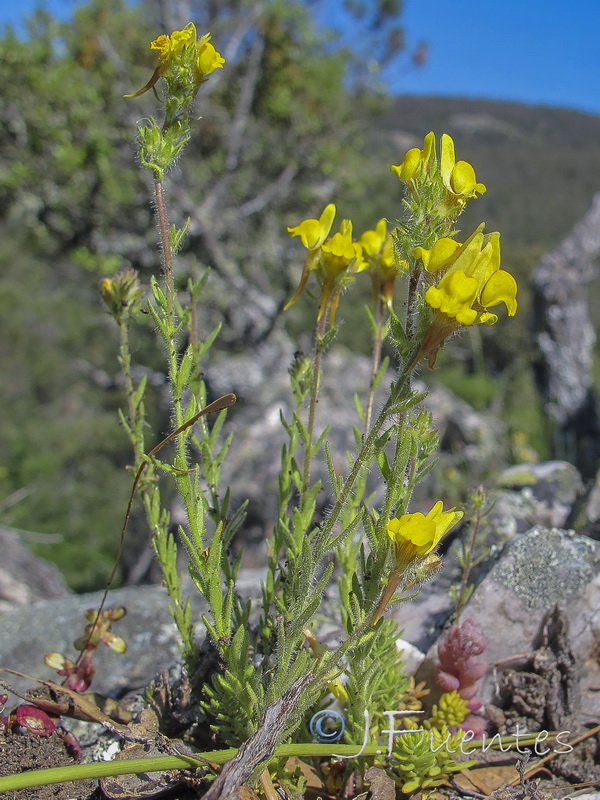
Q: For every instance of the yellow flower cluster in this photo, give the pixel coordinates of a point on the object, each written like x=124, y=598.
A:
x=334, y=259
x=378, y=251
x=171, y=47
x=471, y=278
x=461, y=281
x=183, y=51
x=337, y=258
x=421, y=166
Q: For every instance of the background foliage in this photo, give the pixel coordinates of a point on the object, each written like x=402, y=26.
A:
x=293, y=124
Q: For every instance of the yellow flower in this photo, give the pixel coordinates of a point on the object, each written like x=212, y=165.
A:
x=170, y=46
x=378, y=251
x=449, y=182
x=182, y=50
x=333, y=259
x=418, y=534
x=473, y=281
x=416, y=161
x=207, y=58
x=340, y=256
x=341, y=251
x=458, y=176
x=312, y=233
x=436, y=257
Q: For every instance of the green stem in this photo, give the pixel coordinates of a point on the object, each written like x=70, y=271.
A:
x=172, y=338
x=314, y=394
x=376, y=361
x=460, y=601
x=133, y=410
x=45, y=777
x=411, y=302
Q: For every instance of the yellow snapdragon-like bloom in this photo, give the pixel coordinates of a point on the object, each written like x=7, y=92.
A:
x=333, y=260
x=437, y=257
x=313, y=232
x=182, y=52
x=473, y=281
x=207, y=58
x=340, y=257
x=171, y=46
x=416, y=535
x=458, y=176
x=378, y=252
x=416, y=162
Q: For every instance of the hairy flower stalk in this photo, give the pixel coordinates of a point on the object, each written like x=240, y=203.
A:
x=378, y=252
x=333, y=260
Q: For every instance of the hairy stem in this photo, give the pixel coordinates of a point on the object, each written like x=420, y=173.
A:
x=460, y=600
x=312, y=408
x=376, y=361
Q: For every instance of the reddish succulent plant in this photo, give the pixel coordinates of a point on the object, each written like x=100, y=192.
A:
x=459, y=669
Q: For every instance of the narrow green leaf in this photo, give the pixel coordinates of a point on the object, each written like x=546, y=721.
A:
x=158, y=293
x=359, y=407
x=184, y=370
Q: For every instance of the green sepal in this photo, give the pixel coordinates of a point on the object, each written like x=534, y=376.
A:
x=324, y=341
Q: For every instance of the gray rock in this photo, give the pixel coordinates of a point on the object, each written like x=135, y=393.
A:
x=564, y=337
x=543, y=494
x=538, y=570
x=27, y=634
x=25, y=578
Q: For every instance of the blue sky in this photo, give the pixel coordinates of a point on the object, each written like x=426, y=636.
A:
x=532, y=51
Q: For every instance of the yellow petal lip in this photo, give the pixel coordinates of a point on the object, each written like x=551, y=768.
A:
x=410, y=164
x=463, y=180
x=373, y=241
x=416, y=159
x=454, y=296
x=447, y=159
x=313, y=232
x=458, y=176
x=437, y=256
x=501, y=288
x=208, y=58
